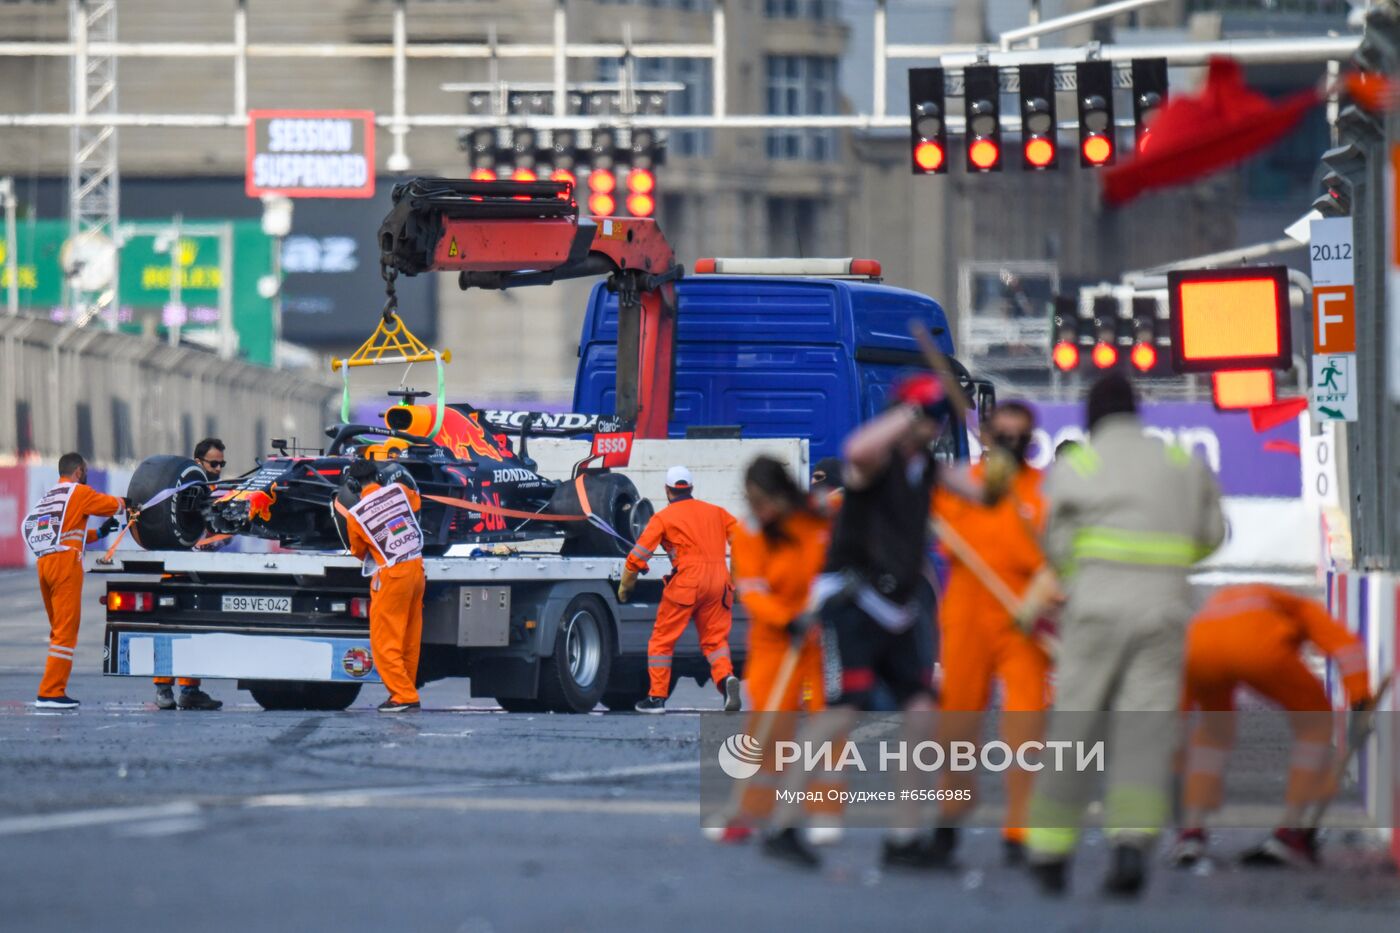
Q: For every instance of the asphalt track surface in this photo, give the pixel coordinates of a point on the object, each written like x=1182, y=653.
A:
x=464, y=818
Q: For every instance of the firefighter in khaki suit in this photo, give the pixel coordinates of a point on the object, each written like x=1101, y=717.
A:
x=695, y=535
x=56, y=532
x=1128, y=518
x=980, y=641
x=384, y=525
x=1251, y=636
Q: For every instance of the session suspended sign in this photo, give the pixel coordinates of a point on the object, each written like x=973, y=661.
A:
x=310, y=153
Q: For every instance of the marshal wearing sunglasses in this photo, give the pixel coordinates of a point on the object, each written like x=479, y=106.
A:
x=209, y=454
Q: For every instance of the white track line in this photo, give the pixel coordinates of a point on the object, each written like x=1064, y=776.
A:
x=77, y=819
x=481, y=804
x=672, y=767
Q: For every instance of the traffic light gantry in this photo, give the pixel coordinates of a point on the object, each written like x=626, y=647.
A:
x=983, y=89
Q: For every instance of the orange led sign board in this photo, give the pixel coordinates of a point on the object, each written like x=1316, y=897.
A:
x=1243, y=388
x=1228, y=319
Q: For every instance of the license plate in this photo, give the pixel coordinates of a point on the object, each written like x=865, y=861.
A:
x=258, y=604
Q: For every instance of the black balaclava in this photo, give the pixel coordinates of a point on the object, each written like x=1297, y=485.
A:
x=1112, y=394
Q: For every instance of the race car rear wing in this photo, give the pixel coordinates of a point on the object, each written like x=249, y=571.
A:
x=548, y=424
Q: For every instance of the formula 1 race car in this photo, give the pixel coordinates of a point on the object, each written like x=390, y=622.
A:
x=290, y=498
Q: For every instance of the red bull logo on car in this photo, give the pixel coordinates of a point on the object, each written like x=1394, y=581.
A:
x=465, y=437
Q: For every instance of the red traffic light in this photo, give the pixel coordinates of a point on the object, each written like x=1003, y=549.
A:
x=641, y=205
x=984, y=153
x=1104, y=355
x=1097, y=149
x=602, y=205
x=1144, y=356
x=602, y=181
x=1039, y=152
x=1065, y=356
x=641, y=181
x=523, y=174
x=928, y=155
x=563, y=174
x=483, y=174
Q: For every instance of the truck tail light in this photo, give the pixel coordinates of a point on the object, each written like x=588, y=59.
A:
x=129, y=601
x=359, y=607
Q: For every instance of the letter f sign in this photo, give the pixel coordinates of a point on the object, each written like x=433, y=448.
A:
x=1334, y=319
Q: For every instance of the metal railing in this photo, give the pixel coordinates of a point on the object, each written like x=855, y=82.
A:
x=560, y=50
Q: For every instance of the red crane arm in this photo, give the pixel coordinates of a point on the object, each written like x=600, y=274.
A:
x=504, y=234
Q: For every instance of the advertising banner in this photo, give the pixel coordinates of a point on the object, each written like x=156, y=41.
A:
x=1247, y=463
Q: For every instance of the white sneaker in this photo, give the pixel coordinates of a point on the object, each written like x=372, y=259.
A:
x=733, y=702
x=824, y=835
x=63, y=702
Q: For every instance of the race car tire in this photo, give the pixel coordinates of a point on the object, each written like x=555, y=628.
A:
x=613, y=498
x=574, y=676
x=319, y=697
x=176, y=524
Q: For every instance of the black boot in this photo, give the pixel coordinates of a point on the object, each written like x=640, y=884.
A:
x=1127, y=872
x=786, y=845
x=1052, y=877
x=926, y=852
x=195, y=698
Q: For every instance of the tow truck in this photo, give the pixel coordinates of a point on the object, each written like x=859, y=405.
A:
x=536, y=631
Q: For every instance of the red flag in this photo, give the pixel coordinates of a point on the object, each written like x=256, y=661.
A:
x=1283, y=447
x=1268, y=417
x=1193, y=136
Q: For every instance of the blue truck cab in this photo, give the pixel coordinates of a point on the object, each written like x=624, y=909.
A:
x=780, y=348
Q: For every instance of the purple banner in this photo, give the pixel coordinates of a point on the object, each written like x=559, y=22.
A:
x=1225, y=440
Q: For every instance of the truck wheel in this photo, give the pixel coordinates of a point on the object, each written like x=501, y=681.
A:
x=320, y=697
x=573, y=677
x=615, y=499
x=176, y=524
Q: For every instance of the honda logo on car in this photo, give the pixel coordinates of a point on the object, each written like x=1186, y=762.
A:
x=310, y=154
x=513, y=475
x=540, y=420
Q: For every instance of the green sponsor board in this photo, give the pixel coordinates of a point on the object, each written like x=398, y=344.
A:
x=37, y=265
x=148, y=273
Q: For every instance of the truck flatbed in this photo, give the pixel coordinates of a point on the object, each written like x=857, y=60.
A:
x=535, y=630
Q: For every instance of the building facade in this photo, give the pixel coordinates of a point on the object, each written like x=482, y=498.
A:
x=749, y=192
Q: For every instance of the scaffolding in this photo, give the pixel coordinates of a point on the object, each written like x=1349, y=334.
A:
x=91, y=261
